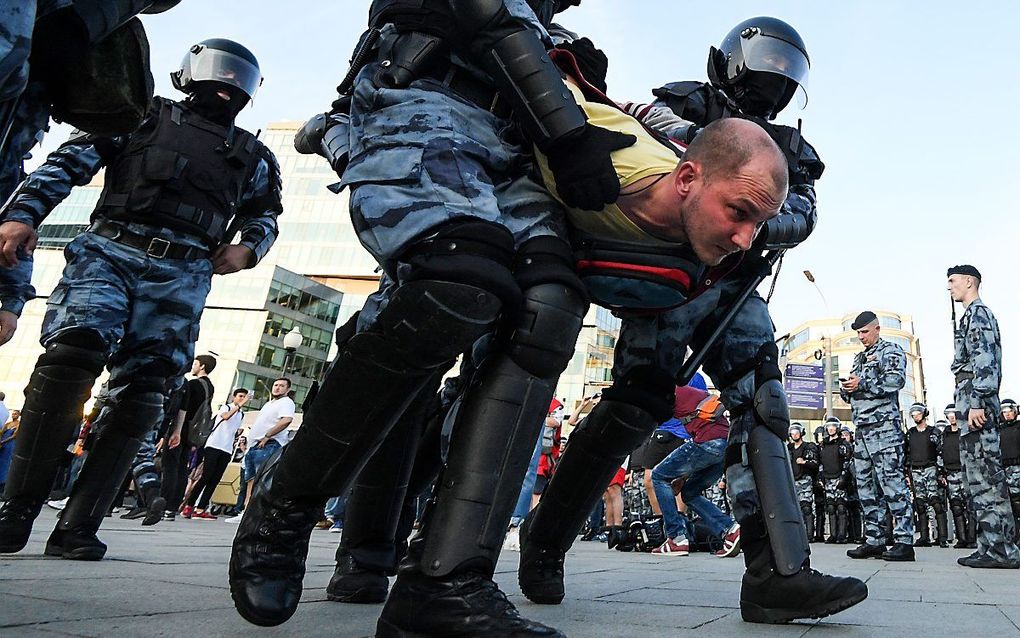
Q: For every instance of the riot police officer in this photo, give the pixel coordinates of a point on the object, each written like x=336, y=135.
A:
x=835, y=456
x=923, y=450
x=1009, y=433
x=65, y=40
x=955, y=483
x=742, y=364
x=804, y=463
x=132, y=293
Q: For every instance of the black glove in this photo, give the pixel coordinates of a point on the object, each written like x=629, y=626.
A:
x=592, y=62
x=584, y=171
x=802, y=159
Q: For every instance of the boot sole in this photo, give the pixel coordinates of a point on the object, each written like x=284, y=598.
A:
x=543, y=600
x=13, y=548
x=154, y=514
x=84, y=553
x=384, y=629
x=363, y=596
x=756, y=614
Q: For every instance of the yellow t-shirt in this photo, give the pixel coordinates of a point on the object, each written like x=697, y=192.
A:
x=647, y=157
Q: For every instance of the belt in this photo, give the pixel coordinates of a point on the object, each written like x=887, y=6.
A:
x=922, y=467
x=470, y=88
x=964, y=376
x=156, y=247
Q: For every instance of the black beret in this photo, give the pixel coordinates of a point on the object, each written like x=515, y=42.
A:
x=965, y=269
x=863, y=319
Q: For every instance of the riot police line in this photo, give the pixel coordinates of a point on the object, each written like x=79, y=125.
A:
x=502, y=192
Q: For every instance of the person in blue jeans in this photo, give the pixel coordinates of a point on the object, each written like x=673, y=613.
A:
x=699, y=462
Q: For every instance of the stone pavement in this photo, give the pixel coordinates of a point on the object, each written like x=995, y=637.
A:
x=171, y=580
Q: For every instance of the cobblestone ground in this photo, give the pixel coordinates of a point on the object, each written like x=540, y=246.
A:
x=171, y=580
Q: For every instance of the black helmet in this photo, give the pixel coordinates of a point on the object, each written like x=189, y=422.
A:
x=218, y=60
x=1008, y=404
x=797, y=426
x=918, y=407
x=761, y=63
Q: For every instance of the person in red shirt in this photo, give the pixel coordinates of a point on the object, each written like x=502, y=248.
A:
x=700, y=463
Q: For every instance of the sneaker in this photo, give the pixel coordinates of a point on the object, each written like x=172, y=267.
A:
x=731, y=542
x=57, y=505
x=325, y=523
x=188, y=511
x=336, y=528
x=234, y=519
x=204, y=516
x=136, y=513
x=673, y=547
x=512, y=542
x=169, y=516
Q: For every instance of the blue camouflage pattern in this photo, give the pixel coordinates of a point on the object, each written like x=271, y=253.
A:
x=882, y=482
x=977, y=354
x=924, y=483
x=977, y=364
x=1013, y=479
x=805, y=489
x=145, y=310
x=956, y=488
x=882, y=373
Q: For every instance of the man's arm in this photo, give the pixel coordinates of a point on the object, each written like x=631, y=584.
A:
x=280, y=426
x=892, y=375
x=260, y=205
x=981, y=339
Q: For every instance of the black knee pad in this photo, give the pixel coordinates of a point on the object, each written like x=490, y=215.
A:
x=135, y=414
x=938, y=506
x=428, y=323
x=545, y=331
x=473, y=252
x=648, y=387
x=77, y=348
x=614, y=429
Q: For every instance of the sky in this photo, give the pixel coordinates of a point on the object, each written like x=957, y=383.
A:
x=911, y=107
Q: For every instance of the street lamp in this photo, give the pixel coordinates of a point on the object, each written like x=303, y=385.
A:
x=826, y=348
x=291, y=342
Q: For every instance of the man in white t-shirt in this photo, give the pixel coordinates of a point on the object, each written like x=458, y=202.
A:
x=216, y=455
x=268, y=433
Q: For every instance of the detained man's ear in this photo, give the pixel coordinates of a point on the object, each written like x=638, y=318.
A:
x=684, y=178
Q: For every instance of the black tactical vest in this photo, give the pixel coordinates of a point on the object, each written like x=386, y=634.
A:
x=696, y=102
x=922, y=448
x=179, y=171
x=832, y=460
x=951, y=450
x=1009, y=443
x=797, y=453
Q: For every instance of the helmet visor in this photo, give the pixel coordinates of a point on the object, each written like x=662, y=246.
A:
x=220, y=66
x=773, y=55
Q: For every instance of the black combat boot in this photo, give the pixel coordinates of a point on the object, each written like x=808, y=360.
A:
x=987, y=562
x=864, y=550
x=971, y=530
x=353, y=584
x=16, y=518
x=841, y=524
x=155, y=505
x=899, y=552
x=541, y=569
x=766, y=596
x=77, y=543
x=960, y=529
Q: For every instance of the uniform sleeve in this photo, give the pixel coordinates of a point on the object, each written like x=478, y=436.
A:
x=892, y=374
x=801, y=201
x=75, y=163
x=260, y=206
x=16, y=285
x=981, y=339
x=661, y=119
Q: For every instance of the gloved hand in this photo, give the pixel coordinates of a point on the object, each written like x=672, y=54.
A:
x=802, y=159
x=591, y=61
x=584, y=171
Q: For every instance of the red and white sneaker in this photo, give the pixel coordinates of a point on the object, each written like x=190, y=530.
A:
x=731, y=542
x=188, y=511
x=204, y=515
x=673, y=547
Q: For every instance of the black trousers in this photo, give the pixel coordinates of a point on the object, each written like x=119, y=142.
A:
x=175, y=476
x=213, y=466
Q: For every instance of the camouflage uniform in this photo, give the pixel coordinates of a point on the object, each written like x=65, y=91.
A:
x=879, y=449
x=977, y=364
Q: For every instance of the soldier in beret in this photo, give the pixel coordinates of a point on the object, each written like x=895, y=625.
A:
x=872, y=390
x=977, y=364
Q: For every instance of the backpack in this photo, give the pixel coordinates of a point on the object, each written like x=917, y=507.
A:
x=203, y=423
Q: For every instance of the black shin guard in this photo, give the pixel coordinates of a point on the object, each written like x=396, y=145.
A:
x=373, y=380
x=596, y=450
x=52, y=411
x=109, y=461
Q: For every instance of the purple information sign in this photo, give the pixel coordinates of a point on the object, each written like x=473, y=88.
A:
x=801, y=400
x=794, y=384
x=805, y=371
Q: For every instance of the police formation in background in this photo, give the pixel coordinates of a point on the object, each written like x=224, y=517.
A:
x=872, y=390
x=762, y=54
x=1009, y=440
x=804, y=462
x=131, y=296
x=72, y=45
x=441, y=196
x=923, y=452
x=977, y=364
x=964, y=521
x=836, y=455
